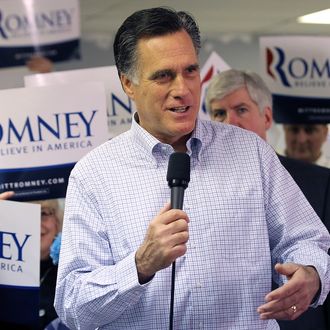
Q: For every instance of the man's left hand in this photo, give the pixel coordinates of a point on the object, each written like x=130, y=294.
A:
x=293, y=298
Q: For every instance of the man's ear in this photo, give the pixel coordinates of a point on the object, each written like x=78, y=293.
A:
x=325, y=132
x=268, y=115
x=127, y=86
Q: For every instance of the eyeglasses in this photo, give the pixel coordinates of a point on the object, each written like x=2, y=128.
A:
x=47, y=213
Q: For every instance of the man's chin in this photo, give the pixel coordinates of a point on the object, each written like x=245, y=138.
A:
x=303, y=156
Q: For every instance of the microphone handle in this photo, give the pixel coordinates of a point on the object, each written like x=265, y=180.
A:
x=177, y=194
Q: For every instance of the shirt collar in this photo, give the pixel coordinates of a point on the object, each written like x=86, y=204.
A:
x=200, y=138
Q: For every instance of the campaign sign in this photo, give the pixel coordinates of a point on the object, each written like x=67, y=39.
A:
x=44, y=131
x=119, y=106
x=297, y=71
x=19, y=262
x=43, y=27
x=213, y=65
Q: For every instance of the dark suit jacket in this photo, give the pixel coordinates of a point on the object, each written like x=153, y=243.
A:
x=314, y=182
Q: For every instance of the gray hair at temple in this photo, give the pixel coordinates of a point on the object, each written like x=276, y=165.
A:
x=149, y=23
x=231, y=80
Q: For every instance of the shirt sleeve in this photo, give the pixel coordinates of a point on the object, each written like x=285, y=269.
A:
x=296, y=233
x=91, y=289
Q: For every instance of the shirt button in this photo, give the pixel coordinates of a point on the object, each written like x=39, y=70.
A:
x=186, y=206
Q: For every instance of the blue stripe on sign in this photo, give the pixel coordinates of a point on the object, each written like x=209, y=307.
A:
x=19, y=305
x=301, y=110
x=57, y=52
x=36, y=183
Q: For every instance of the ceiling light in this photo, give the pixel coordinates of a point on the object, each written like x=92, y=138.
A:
x=319, y=17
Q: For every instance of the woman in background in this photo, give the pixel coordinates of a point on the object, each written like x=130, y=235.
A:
x=51, y=223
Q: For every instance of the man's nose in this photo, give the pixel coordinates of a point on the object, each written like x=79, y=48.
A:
x=179, y=87
x=232, y=119
x=301, y=136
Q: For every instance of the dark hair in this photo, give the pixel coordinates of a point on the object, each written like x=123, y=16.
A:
x=149, y=23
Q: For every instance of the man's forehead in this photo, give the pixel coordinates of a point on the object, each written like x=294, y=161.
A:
x=234, y=102
x=168, y=45
x=303, y=126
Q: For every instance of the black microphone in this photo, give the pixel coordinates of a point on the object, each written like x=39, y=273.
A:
x=178, y=177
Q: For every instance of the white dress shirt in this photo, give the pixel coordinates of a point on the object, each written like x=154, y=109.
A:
x=246, y=214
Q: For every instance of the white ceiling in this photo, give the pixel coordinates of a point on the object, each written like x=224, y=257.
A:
x=217, y=18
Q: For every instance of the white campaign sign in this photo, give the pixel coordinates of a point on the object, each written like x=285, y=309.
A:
x=52, y=125
x=296, y=65
x=213, y=65
x=297, y=71
x=38, y=27
x=38, y=21
x=19, y=244
x=119, y=107
x=44, y=131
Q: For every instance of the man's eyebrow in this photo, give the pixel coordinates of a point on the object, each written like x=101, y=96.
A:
x=155, y=75
x=241, y=104
x=193, y=66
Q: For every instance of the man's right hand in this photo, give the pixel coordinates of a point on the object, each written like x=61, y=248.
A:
x=164, y=242
x=6, y=195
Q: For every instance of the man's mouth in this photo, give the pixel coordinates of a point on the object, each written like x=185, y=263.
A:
x=179, y=109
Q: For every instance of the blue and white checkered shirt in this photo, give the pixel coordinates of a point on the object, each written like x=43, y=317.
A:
x=245, y=211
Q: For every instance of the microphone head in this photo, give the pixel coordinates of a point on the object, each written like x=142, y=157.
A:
x=178, y=171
